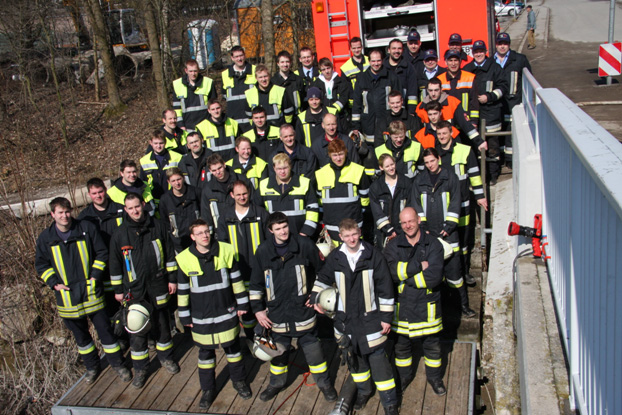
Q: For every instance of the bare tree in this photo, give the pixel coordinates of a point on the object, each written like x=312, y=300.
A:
x=267, y=29
x=100, y=32
x=44, y=13
x=149, y=14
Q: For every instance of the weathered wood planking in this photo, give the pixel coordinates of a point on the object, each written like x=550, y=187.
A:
x=181, y=393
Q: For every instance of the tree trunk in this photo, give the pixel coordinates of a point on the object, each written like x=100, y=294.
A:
x=156, y=54
x=293, y=13
x=52, y=50
x=169, y=65
x=267, y=29
x=100, y=32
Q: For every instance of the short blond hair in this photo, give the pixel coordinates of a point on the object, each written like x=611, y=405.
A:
x=281, y=158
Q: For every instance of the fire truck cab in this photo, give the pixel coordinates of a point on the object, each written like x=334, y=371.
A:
x=377, y=23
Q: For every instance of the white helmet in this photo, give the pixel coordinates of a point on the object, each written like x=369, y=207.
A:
x=327, y=299
x=324, y=248
x=448, y=251
x=137, y=320
x=265, y=348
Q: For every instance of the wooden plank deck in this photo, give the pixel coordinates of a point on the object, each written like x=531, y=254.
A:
x=165, y=393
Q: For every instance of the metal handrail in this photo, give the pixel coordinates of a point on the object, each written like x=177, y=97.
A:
x=582, y=220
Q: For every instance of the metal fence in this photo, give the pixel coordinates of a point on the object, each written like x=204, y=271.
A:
x=582, y=219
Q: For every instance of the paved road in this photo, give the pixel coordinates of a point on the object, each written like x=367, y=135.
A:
x=582, y=20
x=562, y=61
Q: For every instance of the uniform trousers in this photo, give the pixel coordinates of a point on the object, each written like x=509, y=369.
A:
x=207, y=364
x=314, y=355
x=404, y=356
x=374, y=366
x=86, y=347
x=160, y=332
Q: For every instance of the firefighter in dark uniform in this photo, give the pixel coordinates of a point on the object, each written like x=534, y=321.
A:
x=451, y=111
x=273, y=98
x=428, y=70
x=414, y=53
x=455, y=46
x=219, y=131
x=193, y=163
x=436, y=197
x=371, y=95
x=215, y=194
x=211, y=299
x=512, y=64
x=264, y=137
x=291, y=194
x=246, y=163
x=416, y=264
x=464, y=162
x=175, y=136
x=179, y=207
x=143, y=271
x=283, y=272
x=237, y=79
x=106, y=215
x=130, y=183
x=153, y=165
x=364, y=311
x=285, y=77
x=243, y=225
x=405, y=71
x=407, y=152
x=309, y=122
x=356, y=64
x=70, y=258
x=330, y=133
x=397, y=113
x=492, y=87
x=192, y=92
x=460, y=84
x=336, y=92
x=388, y=196
x=342, y=188
x=302, y=158
x=427, y=135
x=307, y=70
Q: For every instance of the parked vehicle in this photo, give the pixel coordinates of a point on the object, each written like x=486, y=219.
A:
x=510, y=9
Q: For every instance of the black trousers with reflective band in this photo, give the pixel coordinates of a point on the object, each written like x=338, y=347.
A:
x=312, y=349
x=160, y=332
x=86, y=347
x=404, y=346
x=374, y=366
x=207, y=365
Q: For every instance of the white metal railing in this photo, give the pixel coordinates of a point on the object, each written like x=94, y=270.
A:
x=582, y=219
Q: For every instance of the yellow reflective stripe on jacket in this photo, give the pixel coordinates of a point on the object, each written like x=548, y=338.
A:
x=84, y=257
x=255, y=236
x=401, y=270
x=60, y=265
x=233, y=240
x=352, y=173
x=275, y=100
x=47, y=274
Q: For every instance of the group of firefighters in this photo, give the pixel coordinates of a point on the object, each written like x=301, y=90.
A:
x=218, y=222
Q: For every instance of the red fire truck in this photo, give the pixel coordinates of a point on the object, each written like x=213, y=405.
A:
x=377, y=23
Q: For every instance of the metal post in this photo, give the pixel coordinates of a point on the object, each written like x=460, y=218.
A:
x=482, y=214
x=612, y=15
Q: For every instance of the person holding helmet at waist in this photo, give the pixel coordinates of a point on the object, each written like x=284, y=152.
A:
x=283, y=272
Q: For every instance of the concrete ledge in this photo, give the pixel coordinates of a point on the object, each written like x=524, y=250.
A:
x=499, y=344
x=537, y=380
x=40, y=207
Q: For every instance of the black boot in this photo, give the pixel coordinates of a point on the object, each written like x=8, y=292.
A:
x=269, y=393
x=207, y=399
